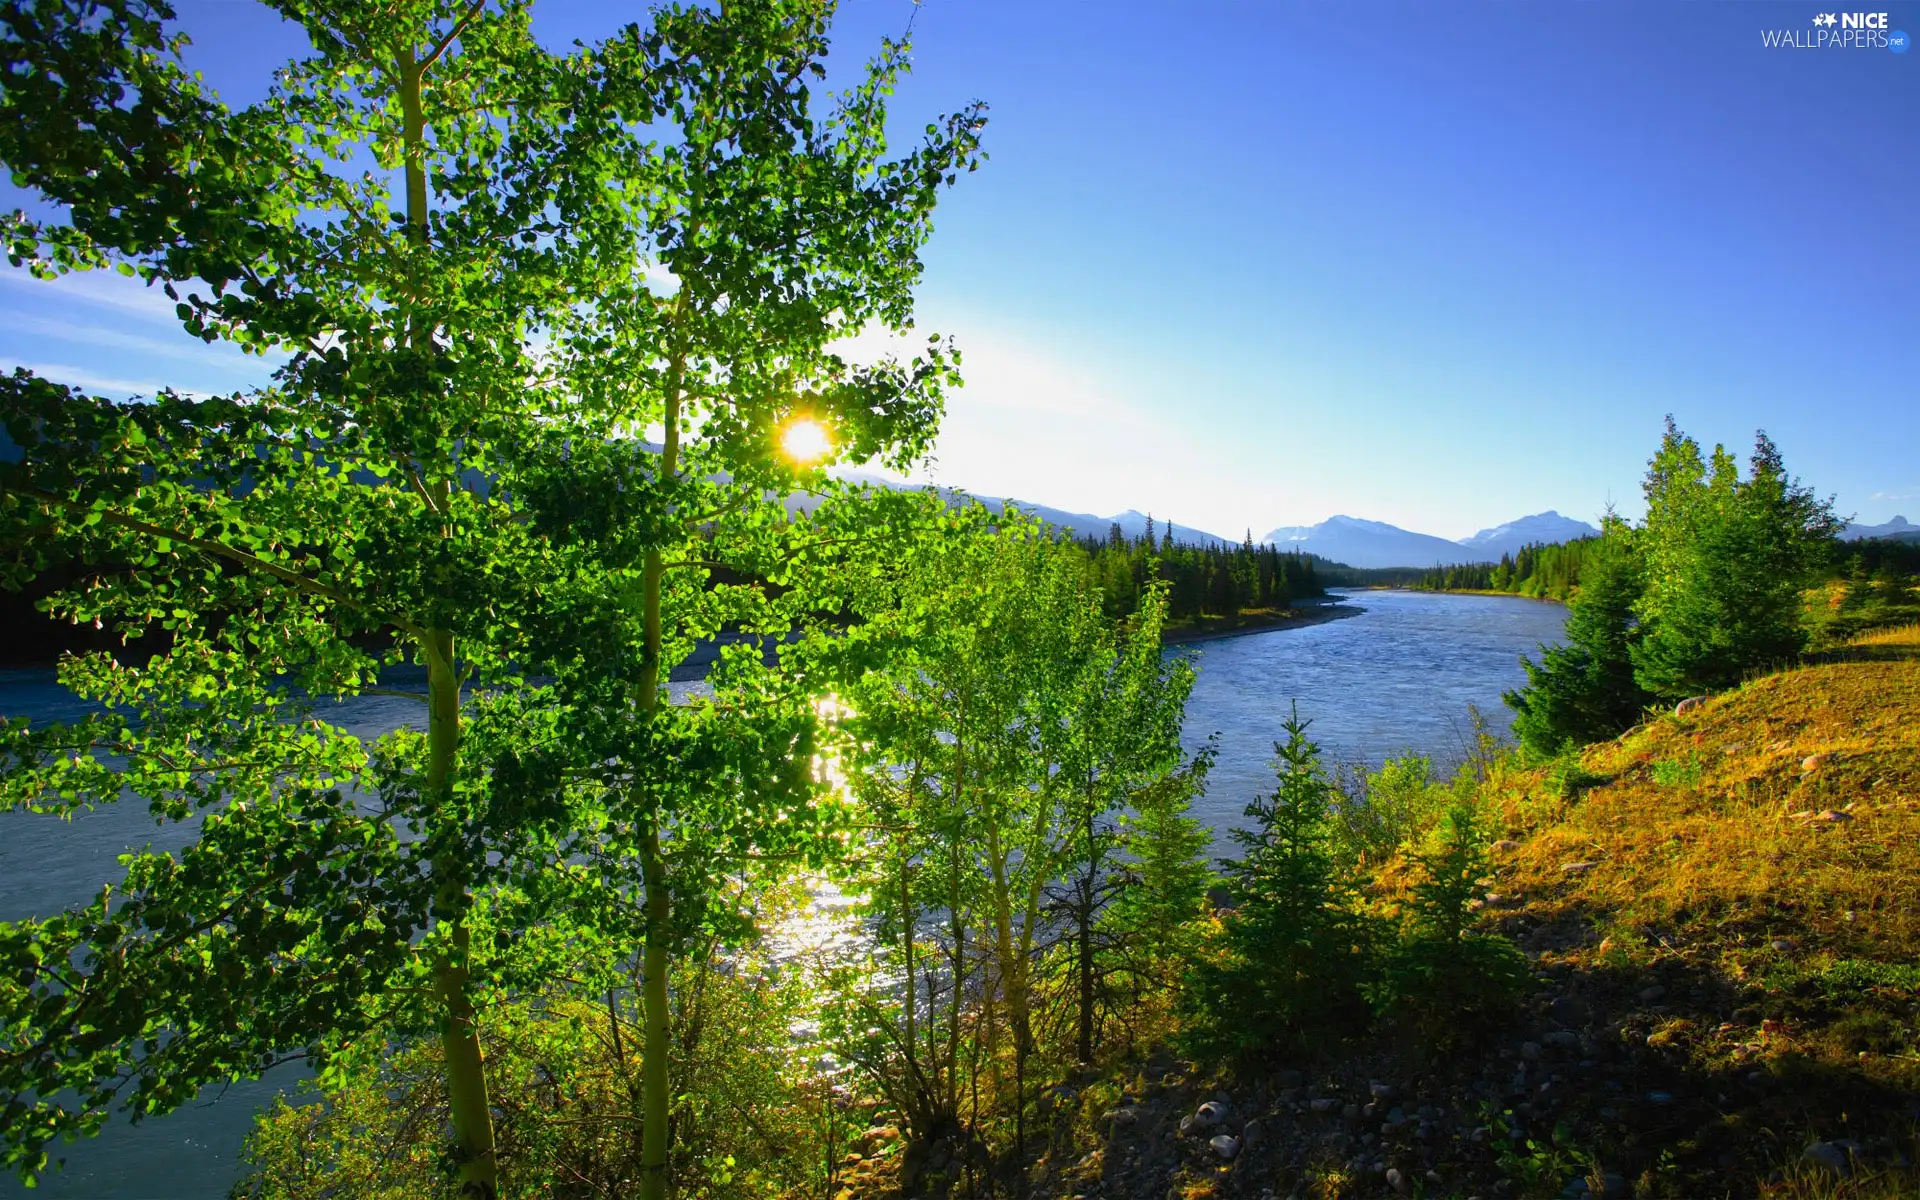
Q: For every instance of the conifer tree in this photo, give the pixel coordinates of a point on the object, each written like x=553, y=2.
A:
x=1292, y=960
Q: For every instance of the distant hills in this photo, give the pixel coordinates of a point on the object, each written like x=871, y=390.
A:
x=1361, y=543
x=1547, y=528
x=1899, y=529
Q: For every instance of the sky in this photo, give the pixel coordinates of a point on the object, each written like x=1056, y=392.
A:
x=1249, y=265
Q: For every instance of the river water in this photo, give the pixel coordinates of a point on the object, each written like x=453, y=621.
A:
x=1399, y=676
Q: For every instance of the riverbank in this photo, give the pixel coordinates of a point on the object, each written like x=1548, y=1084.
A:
x=1314, y=610
x=1484, y=592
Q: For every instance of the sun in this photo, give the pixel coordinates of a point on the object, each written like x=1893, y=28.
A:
x=805, y=440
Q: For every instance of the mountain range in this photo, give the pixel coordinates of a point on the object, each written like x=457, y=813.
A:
x=1341, y=539
x=1899, y=529
x=1361, y=543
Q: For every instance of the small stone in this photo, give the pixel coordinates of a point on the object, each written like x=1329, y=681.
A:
x=1188, y=1125
x=1830, y=1157
x=1396, y=1180
x=1350, y=1113
x=1834, y=816
x=1570, y=1010
x=1324, y=1104
x=1288, y=1078
x=1380, y=1091
x=1123, y=1116
x=1659, y=1097
x=1225, y=1145
x=1576, y=868
x=1530, y=1051
x=1649, y=994
x=1210, y=1114
x=1689, y=705
x=1505, y=846
x=1250, y=1135
x=1812, y=763
x=1783, y=945
x=1561, y=1039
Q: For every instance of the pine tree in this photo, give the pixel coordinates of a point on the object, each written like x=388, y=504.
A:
x=1584, y=690
x=1727, y=561
x=1292, y=959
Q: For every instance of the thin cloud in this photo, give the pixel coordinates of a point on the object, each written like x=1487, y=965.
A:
x=98, y=335
x=101, y=288
x=1903, y=494
x=106, y=385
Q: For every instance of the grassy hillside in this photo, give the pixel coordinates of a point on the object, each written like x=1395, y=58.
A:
x=1737, y=892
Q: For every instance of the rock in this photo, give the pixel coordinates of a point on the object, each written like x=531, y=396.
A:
x=1530, y=1051
x=1659, y=1097
x=1324, y=1104
x=1250, y=1135
x=1505, y=846
x=1350, y=1113
x=1396, y=1180
x=1561, y=1039
x=1829, y=1156
x=1225, y=1145
x=1288, y=1078
x=1783, y=945
x=1570, y=1010
x=1210, y=1114
x=1123, y=1116
x=1834, y=816
x=1381, y=1091
x=1810, y=764
x=1188, y=1125
x=1689, y=705
x=1576, y=868
x=1649, y=994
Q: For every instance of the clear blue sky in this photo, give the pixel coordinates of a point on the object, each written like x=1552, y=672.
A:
x=1440, y=265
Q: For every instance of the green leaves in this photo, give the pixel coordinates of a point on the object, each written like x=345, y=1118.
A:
x=445, y=474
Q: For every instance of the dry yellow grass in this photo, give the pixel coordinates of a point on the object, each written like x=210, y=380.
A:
x=1789, y=807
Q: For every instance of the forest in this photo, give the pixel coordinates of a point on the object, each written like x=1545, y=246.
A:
x=913, y=903
x=1201, y=580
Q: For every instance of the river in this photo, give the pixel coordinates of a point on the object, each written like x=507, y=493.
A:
x=1398, y=677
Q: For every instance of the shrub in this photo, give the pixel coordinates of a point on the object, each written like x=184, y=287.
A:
x=564, y=1074
x=1381, y=810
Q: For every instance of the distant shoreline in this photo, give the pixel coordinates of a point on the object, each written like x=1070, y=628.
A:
x=1473, y=592
x=1315, y=610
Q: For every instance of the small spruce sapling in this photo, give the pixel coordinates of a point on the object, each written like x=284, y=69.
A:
x=1447, y=981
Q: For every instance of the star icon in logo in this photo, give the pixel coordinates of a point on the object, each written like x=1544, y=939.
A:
x=1826, y=20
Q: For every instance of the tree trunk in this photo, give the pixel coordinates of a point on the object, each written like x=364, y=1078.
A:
x=472, y=1114
x=1083, y=1048
x=654, y=1061
x=460, y=1035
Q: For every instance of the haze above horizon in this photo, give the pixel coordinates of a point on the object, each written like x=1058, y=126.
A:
x=1249, y=267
